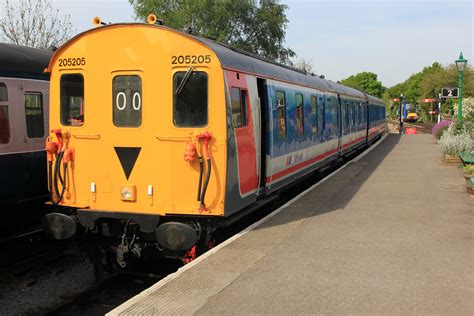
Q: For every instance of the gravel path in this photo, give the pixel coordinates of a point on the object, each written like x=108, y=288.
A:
x=44, y=287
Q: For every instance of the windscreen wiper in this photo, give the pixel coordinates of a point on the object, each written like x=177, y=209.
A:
x=185, y=79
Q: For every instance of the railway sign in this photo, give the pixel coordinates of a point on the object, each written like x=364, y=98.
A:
x=449, y=93
x=396, y=100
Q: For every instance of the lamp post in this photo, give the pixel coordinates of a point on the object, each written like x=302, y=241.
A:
x=460, y=66
x=400, y=124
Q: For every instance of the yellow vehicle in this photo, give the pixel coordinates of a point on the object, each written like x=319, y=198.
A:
x=159, y=137
x=411, y=115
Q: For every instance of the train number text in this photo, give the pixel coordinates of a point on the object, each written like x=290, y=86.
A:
x=190, y=59
x=70, y=62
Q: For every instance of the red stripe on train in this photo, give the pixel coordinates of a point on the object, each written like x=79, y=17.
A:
x=353, y=142
x=303, y=164
x=294, y=168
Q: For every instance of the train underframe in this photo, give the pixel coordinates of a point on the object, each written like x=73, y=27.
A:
x=123, y=237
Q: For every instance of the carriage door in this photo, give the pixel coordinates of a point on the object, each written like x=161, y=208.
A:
x=34, y=101
x=263, y=134
x=244, y=110
x=367, y=125
x=340, y=117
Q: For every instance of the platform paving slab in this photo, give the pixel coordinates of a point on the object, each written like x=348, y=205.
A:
x=391, y=233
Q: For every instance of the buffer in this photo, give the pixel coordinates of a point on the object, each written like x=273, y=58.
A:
x=127, y=156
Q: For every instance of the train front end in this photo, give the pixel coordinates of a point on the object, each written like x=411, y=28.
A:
x=137, y=150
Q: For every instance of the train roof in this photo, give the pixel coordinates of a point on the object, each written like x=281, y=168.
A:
x=374, y=100
x=244, y=61
x=247, y=62
x=23, y=62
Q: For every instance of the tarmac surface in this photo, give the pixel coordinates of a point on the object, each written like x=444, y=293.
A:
x=391, y=233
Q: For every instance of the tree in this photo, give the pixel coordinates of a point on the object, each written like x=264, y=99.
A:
x=366, y=82
x=304, y=65
x=428, y=83
x=34, y=23
x=255, y=27
x=432, y=82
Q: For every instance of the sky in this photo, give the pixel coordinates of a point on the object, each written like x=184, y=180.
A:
x=340, y=38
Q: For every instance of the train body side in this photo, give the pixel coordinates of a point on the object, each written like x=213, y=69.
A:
x=301, y=129
x=24, y=111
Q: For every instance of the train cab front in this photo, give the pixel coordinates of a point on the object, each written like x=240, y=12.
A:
x=138, y=147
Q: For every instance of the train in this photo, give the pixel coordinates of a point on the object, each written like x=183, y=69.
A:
x=24, y=117
x=411, y=115
x=160, y=137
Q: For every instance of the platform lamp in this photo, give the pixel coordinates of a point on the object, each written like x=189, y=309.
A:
x=400, y=123
x=460, y=66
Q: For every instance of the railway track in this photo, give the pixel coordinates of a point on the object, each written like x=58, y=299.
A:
x=28, y=250
x=421, y=128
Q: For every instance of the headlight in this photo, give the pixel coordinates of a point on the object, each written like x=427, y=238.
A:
x=127, y=193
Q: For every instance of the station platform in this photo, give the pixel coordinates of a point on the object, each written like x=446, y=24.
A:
x=390, y=233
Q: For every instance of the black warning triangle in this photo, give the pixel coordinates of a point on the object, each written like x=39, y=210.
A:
x=127, y=156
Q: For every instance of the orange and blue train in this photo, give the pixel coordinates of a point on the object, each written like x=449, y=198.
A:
x=160, y=137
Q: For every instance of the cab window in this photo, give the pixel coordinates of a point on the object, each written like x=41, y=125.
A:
x=4, y=119
x=239, y=107
x=34, y=114
x=127, y=101
x=281, y=114
x=190, y=90
x=72, y=99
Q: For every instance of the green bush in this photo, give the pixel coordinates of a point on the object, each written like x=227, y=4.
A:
x=454, y=142
x=440, y=131
x=466, y=124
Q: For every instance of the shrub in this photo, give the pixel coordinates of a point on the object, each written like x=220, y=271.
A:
x=467, y=123
x=440, y=127
x=452, y=143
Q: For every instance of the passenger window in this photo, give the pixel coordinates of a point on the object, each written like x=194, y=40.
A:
x=127, y=101
x=353, y=113
x=314, y=114
x=72, y=99
x=34, y=114
x=299, y=114
x=190, y=98
x=239, y=107
x=4, y=119
x=281, y=114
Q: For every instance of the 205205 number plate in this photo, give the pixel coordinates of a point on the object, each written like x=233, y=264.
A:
x=71, y=62
x=190, y=59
